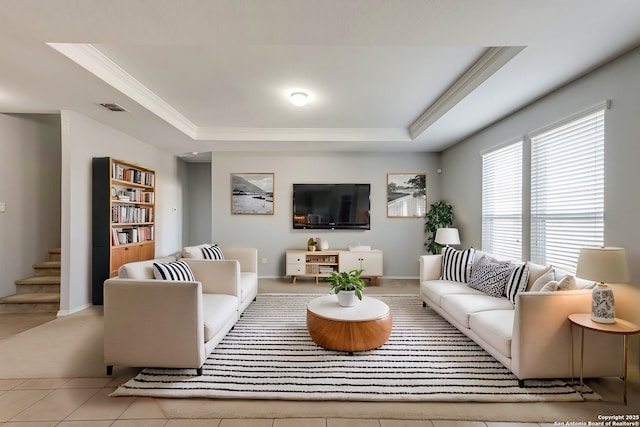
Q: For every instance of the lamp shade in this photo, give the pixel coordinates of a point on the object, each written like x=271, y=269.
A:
x=447, y=236
x=606, y=264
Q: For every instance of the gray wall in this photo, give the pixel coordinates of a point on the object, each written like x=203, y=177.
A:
x=618, y=82
x=401, y=239
x=198, y=208
x=30, y=188
x=83, y=139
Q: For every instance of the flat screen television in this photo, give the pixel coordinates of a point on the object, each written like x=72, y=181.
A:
x=331, y=206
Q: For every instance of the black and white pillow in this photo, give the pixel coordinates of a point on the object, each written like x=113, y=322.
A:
x=490, y=277
x=178, y=270
x=455, y=264
x=212, y=252
x=517, y=282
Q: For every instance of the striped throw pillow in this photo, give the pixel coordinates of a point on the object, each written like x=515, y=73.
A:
x=455, y=264
x=212, y=252
x=178, y=270
x=517, y=282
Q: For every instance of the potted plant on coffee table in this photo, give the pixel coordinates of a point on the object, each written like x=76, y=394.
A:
x=347, y=286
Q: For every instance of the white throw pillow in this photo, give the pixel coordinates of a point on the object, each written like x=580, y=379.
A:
x=553, y=273
x=568, y=283
x=551, y=286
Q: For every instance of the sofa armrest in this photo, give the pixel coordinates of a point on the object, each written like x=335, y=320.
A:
x=248, y=258
x=542, y=338
x=217, y=277
x=153, y=323
x=430, y=267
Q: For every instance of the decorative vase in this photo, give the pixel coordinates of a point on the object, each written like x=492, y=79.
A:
x=602, y=304
x=324, y=244
x=347, y=298
x=312, y=248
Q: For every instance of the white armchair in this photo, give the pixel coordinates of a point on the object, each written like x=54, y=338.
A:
x=169, y=324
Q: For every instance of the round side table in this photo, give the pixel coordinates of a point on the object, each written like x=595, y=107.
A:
x=620, y=327
x=365, y=326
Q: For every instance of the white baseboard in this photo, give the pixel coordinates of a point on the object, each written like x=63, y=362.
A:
x=62, y=313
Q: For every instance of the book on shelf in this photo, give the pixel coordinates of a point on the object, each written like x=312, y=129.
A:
x=115, y=241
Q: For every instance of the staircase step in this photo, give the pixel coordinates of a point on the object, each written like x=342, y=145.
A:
x=38, y=284
x=55, y=254
x=30, y=303
x=47, y=268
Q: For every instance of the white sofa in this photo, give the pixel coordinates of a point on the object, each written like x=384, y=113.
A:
x=174, y=324
x=534, y=338
x=248, y=259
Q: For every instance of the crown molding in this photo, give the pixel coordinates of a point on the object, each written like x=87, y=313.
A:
x=303, y=134
x=491, y=61
x=94, y=61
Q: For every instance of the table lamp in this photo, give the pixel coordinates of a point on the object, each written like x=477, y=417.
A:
x=602, y=265
x=447, y=236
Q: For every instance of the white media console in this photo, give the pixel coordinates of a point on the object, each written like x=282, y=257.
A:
x=322, y=263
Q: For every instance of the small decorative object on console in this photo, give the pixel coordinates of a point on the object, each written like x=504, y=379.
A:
x=311, y=244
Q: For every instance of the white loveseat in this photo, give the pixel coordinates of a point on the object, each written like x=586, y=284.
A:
x=174, y=324
x=248, y=259
x=533, y=339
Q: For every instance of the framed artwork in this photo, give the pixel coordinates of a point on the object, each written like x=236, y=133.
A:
x=252, y=193
x=406, y=195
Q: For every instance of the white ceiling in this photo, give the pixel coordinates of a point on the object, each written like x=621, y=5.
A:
x=209, y=75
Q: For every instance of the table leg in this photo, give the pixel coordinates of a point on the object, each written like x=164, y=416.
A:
x=626, y=352
x=581, y=359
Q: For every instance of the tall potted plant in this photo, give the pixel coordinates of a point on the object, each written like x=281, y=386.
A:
x=347, y=286
x=440, y=215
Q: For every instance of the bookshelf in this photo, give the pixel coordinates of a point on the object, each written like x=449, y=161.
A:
x=123, y=227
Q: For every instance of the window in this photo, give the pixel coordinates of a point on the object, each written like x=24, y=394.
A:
x=502, y=201
x=567, y=189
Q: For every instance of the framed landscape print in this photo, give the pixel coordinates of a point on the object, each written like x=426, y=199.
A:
x=406, y=195
x=252, y=193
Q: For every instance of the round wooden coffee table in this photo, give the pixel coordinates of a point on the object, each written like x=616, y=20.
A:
x=365, y=326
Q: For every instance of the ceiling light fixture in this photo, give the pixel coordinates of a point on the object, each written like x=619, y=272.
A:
x=299, y=98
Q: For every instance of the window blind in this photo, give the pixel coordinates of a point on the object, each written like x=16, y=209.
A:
x=567, y=189
x=502, y=201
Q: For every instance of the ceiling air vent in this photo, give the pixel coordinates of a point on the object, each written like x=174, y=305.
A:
x=112, y=107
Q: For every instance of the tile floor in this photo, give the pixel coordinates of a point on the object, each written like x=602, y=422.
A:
x=84, y=402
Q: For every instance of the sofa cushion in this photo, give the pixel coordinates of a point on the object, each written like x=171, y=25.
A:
x=217, y=310
x=456, y=264
x=491, y=277
x=568, y=283
x=212, y=252
x=248, y=284
x=517, y=281
x=460, y=306
x=495, y=327
x=535, y=271
x=141, y=269
x=434, y=290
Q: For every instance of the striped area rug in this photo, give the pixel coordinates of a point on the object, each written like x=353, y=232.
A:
x=269, y=355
